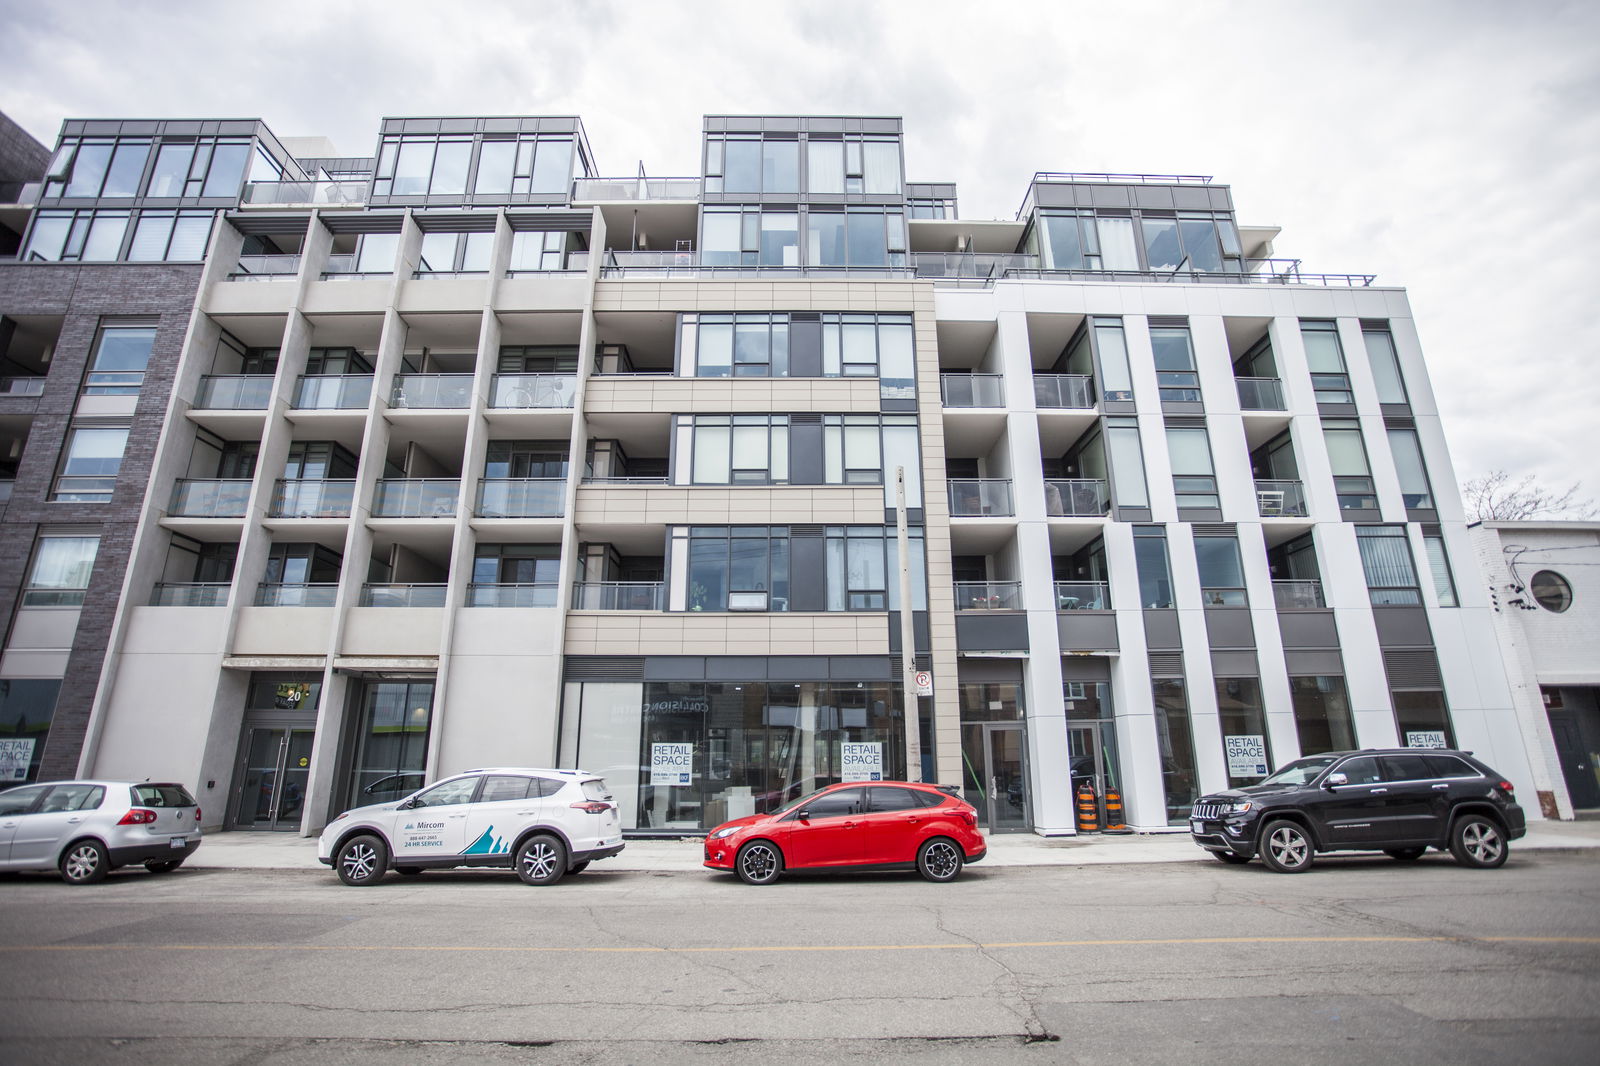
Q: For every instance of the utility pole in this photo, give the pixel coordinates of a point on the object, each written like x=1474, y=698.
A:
x=908, y=635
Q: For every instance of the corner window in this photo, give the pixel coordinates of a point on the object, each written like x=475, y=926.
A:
x=1551, y=591
x=77, y=236
x=60, y=571
x=121, y=354
x=93, y=458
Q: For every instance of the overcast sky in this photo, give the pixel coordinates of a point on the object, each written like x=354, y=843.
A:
x=1450, y=148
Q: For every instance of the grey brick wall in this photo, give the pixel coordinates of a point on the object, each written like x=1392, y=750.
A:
x=21, y=157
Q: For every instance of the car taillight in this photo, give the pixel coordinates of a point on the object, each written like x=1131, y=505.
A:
x=137, y=816
x=592, y=807
x=1508, y=788
x=197, y=814
x=971, y=816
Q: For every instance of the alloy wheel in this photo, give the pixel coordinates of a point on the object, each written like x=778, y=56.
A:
x=82, y=863
x=942, y=860
x=538, y=861
x=360, y=861
x=1482, y=842
x=758, y=863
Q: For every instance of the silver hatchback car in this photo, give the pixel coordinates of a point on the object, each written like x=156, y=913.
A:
x=86, y=829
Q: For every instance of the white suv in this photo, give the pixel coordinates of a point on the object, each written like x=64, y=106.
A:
x=542, y=823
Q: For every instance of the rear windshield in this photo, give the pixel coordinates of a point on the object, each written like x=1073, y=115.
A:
x=595, y=789
x=162, y=796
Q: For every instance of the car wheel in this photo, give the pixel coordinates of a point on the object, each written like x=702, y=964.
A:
x=361, y=861
x=165, y=866
x=1477, y=842
x=541, y=860
x=1404, y=854
x=85, y=862
x=408, y=871
x=939, y=860
x=1286, y=847
x=1230, y=858
x=578, y=867
x=759, y=862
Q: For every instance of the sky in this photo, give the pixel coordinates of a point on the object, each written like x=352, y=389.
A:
x=1441, y=146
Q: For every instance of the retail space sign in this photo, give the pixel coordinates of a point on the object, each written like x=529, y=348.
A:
x=1428, y=738
x=15, y=756
x=671, y=764
x=1247, y=755
x=924, y=682
x=861, y=761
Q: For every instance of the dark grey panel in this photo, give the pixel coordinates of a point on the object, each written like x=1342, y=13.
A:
x=991, y=631
x=1336, y=410
x=1132, y=514
x=1234, y=664
x=1308, y=629
x=1229, y=627
x=919, y=631
x=1402, y=627
x=1087, y=630
x=736, y=667
x=1360, y=514
x=603, y=668
x=1085, y=668
x=1166, y=664
x=1199, y=514
x=805, y=348
x=1313, y=663
x=674, y=668
x=1047, y=195
x=1221, y=197
x=1412, y=668
x=1154, y=196
x=1191, y=198
x=859, y=667
x=1110, y=195
x=805, y=454
x=1161, y=629
x=989, y=671
x=808, y=584
x=1182, y=407
x=797, y=667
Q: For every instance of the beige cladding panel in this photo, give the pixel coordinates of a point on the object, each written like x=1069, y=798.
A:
x=693, y=633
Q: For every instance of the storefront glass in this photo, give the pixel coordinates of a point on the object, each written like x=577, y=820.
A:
x=1176, y=739
x=26, y=708
x=391, y=741
x=1245, y=744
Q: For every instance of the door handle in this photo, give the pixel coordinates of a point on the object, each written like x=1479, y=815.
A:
x=526, y=814
x=849, y=825
x=1378, y=790
x=74, y=821
x=913, y=821
x=1440, y=788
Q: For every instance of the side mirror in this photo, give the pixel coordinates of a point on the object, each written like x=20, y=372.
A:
x=802, y=814
x=406, y=805
x=1335, y=779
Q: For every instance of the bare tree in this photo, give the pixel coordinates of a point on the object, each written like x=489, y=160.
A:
x=1496, y=497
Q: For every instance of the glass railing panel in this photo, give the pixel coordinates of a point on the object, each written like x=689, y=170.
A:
x=973, y=390
x=416, y=498
x=988, y=595
x=319, y=193
x=234, y=392
x=533, y=390
x=1260, y=394
x=221, y=498
x=1074, y=392
x=619, y=596
x=403, y=595
x=1297, y=595
x=510, y=595
x=540, y=497
x=190, y=594
x=22, y=386
x=268, y=266
x=1083, y=596
x=312, y=499
x=1281, y=499
x=440, y=391
x=332, y=392
x=1076, y=497
x=296, y=594
x=1224, y=597
x=983, y=265
x=636, y=189
x=981, y=496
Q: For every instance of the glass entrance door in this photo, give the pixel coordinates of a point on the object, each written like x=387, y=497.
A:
x=1091, y=748
x=995, y=773
x=273, y=775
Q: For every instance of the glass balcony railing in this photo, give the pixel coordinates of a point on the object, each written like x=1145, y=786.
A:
x=1083, y=596
x=1260, y=394
x=1076, y=498
x=613, y=189
x=1297, y=595
x=433, y=391
x=403, y=595
x=416, y=498
x=190, y=594
x=312, y=499
x=973, y=390
x=266, y=267
x=988, y=595
x=1072, y=392
x=305, y=193
x=332, y=392
x=234, y=392
x=1224, y=597
x=218, y=498
x=619, y=596
x=981, y=496
x=533, y=390
x=296, y=594
x=1281, y=499
x=32, y=385
x=982, y=266
x=541, y=594
x=527, y=497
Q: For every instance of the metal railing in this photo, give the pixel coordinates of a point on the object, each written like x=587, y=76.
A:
x=432, y=391
x=1067, y=391
x=609, y=189
x=296, y=594
x=1078, y=497
x=1260, y=394
x=416, y=498
x=595, y=479
x=304, y=193
x=984, y=266
x=332, y=392
x=972, y=390
x=526, y=497
x=1297, y=595
x=234, y=392
x=619, y=596
x=1078, y=177
x=310, y=498
x=618, y=264
x=403, y=595
x=210, y=498
x=1281, y=499
x=532, y=390
x=190, y=594
x=1203, y=277
x=1224, y=597
x=1083, y=596
x=22, y=386
x=981, y=496
x=266, y=266
x=541, y=594
x=988, y=595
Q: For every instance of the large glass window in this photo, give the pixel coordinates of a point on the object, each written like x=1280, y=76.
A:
x=853, y=164
x=93, y=457
x=26, y=709
x=1245, y=744
x=856, y=237
x=1193, y=478
x=1322, y=714
x=391, y=735
x=738, y=568
x=1175, y=742
x=1444, y=585
x=864, y=569
x=749, y=163
x=1385, y=364
x=1175, y=369
x=1386, y=559
x=1407, y=451
x=1078, y=240
x=1347, y=456
x=1325, y=359
x=66, y=236
x=1116, y=380
x=1423, y=718
x=742, y=449
x=117, y=366
x=1150, y=556
x=1126, y=456
x=59, y=574
x=1221, y=571
x=179, y=236
x=753, y=345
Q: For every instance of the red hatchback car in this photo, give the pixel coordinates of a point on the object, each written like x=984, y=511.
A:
x=882, y=825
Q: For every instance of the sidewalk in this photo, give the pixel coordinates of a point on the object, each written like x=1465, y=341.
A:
x=285, y=851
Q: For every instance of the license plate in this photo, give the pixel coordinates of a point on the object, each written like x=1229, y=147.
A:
x=179, y=842
x=1196, y=825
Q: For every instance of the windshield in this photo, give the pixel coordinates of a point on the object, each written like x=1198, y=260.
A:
x=1300, y=772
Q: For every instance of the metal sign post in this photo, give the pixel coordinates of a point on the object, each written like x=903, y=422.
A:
x=908, y=635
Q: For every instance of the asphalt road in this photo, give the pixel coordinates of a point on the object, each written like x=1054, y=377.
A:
x=1359, y=960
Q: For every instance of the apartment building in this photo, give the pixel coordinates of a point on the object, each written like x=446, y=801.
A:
x=471, y=456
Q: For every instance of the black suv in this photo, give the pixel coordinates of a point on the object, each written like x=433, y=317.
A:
x=1400, y=801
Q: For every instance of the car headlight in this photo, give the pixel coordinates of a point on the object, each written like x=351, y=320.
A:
x=1238, y=808
x=728, y=832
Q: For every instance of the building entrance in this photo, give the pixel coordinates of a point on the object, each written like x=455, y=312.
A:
x=994, y=772
x=272, y=776
x=1091, y=747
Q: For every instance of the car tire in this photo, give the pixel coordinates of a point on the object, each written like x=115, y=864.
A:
x=940, y=860
x=1404, y=854
x=408, y=871
x=1230, y=858
x=1476, y=841
x=84, y=862
x=1286, y=847
x=759, y=862
x=541, y=860
x=165, y=866
x=361, y=861
x=578, y=867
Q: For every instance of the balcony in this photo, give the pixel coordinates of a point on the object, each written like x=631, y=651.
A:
x=512, y=595
x=441, y=392
x=1070, y=392
x=332, y=392
x=973, y=390
x=190, y=594
x=528, y=497
x=1254, y=272
x=304, y=194
x=403, y=595
x=1260, y=394
x=1297, y=595
x=416, y=498
x=217, y=498
x=234, y=392
x=312, y=499
x=296, y=594
x=978, y=497
x=1083, y=596
x=265, y=268
x=613, y=190
x=988, y=595
x=533, y=390
x=1281, y=499
x=22, y=386
x=619, y=596
x=977, y=269
x=1078, y=498
x=623, y=264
